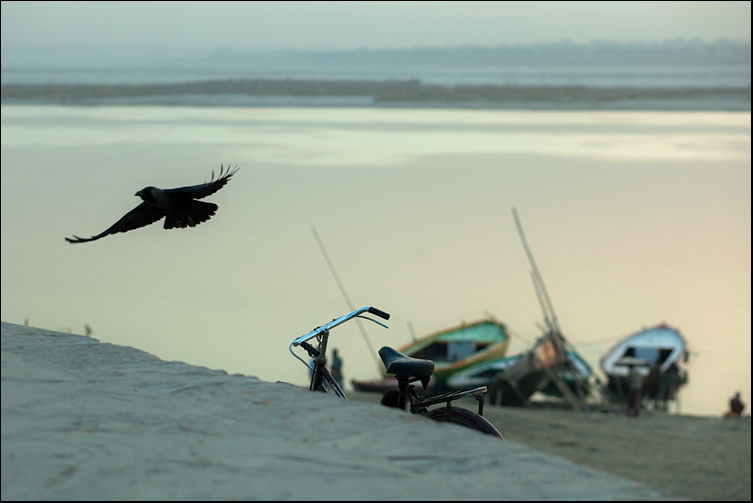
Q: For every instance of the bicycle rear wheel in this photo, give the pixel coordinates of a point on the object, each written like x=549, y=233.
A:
x=465, y=417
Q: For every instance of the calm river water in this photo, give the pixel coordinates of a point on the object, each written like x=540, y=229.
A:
x=634, y=218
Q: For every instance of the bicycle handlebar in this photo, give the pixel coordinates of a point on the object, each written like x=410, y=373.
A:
x=379, y=313
x=342, y=319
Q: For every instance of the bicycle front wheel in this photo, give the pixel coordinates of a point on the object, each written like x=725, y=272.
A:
x=465, y=417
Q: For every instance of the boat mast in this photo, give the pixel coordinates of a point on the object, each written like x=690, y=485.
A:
x=536, y=287
x=555, y=333
x=319, y=241
x=538, y=282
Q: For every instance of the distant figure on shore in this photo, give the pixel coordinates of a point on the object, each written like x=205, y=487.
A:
x=635, y=386
x=667, y=386
x=652, y=382
x=336, y=368
x=736, y=407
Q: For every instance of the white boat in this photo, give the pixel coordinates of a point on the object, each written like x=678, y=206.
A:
x=662, y=344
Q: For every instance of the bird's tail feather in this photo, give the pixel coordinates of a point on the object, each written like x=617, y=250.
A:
x=191, y=215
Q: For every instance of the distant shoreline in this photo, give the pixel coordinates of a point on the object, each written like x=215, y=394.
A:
x=410, y=93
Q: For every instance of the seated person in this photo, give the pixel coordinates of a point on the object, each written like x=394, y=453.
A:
x=736, y=407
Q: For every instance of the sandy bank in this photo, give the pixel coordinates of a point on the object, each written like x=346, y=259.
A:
x=699, y=458
x=85, y=420
x=402, y=93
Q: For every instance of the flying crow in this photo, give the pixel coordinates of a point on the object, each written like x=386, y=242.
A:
x=179, y=206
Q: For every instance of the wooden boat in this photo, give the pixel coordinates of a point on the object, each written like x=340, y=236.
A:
x=485, y=374
x=551, y=362
x=451, y=350
x=548, y=363
x=456, y=349
x=572, y=375
x=382, y=385
x=661, y=344
x=549, y=367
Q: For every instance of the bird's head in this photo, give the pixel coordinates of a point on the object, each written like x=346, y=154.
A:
x=147, y=194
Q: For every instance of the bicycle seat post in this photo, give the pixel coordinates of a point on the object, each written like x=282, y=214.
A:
x=403, y=385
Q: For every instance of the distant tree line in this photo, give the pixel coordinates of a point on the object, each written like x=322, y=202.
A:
x=381, y=91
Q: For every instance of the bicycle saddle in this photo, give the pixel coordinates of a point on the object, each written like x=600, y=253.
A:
x=398, y=364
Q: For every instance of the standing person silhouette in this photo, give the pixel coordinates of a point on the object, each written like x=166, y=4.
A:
x=336, y=368
x=635, y=385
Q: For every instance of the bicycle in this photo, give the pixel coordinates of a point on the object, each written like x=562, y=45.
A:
x=405, y=369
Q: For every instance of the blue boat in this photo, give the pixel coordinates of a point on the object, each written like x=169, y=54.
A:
x=486, y=373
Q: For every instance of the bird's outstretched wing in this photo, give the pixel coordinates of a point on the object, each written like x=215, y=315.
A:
x=205, y=189
x=141, y=215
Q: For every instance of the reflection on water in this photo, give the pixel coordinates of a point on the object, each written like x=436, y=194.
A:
x=634, y=218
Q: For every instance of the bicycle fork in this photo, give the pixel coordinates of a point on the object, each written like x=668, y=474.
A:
x=320, y=371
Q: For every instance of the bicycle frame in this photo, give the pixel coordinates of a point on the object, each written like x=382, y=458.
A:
x=321, y=377
x=420, y=403
x=319, y=371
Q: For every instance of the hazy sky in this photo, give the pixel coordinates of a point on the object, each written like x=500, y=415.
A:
x=351, y=25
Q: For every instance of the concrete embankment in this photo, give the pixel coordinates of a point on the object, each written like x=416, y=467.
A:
x=87, y=420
